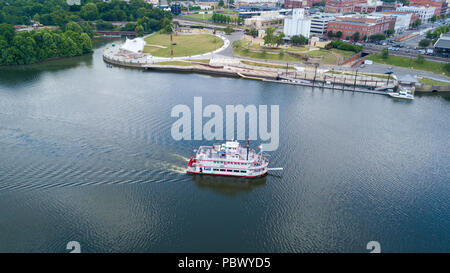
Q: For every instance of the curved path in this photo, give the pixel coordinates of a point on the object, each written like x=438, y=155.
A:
x=111, y=54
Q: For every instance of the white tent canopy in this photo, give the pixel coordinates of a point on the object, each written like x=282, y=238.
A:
x=134, y=45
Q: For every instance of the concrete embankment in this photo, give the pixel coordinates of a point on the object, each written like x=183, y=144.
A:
x=433, y=88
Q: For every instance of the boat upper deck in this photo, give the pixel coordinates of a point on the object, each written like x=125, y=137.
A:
x=229, y=151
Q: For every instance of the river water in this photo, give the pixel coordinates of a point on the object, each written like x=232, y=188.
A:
x=87, y=156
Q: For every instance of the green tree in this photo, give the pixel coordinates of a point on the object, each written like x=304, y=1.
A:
x=140, y=30
x=86, y=43
x=221, y=3
x=228, y=30
x=355, y=36
x=385, y=53
x=279, y=39
x=269, y=38
x=416, y=23
x=89, y=12
x=424, y=43
x=299, y=40
x=434, y=18
x=7, y=31
x=338, y=34
x=73, y=26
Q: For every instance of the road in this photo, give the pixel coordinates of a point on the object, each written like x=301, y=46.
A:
x=400, y=71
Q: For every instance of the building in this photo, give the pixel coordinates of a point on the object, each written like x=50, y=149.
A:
x=390, y=6
x=440, y=5
x=319, y=23
x=425, y=13
x=267, y=3
x=365, y=8
x=265, y=20
x=295, y=4
x=175, y=8
x=442, y=46
x=366, y=25
x=211, y=3
x=342, y=6
x=297, y=24
x=402, y=19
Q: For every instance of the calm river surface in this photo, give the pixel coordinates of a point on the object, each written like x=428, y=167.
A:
x=86, y=155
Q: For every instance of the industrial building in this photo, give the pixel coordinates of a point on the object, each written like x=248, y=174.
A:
x=297, y=24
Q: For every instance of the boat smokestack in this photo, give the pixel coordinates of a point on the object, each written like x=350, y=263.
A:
x=248, y=146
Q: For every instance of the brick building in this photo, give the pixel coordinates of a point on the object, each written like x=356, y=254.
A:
x=295, y=4
x=366, y=25
x=390, y=6
x=364, y=8
x=342, y=6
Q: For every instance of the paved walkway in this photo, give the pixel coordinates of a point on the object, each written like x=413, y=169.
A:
x=113, y=53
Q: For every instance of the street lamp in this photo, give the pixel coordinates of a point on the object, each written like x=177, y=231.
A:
x=389, y=75
x=315, y=73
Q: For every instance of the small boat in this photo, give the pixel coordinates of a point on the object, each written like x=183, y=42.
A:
x=229, y=159
x=404, y=93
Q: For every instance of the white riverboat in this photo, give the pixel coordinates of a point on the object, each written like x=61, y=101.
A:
x=404, y=93
x=229, y=159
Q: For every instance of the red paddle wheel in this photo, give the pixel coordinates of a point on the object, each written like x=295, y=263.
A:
x=191, y=161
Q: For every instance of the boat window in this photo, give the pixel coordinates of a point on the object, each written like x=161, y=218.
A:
x=229, y=171
x=222, y=170
x=243, y=171
x=236, y=171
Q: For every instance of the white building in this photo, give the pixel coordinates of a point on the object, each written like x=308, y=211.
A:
x=402, y=21
x=319, y=23
x=425, y=13
x=297, y=24
x=265, y=20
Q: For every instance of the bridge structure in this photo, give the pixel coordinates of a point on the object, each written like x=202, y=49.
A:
x=116, y=33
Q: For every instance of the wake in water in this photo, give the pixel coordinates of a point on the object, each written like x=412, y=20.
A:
x=180, y=157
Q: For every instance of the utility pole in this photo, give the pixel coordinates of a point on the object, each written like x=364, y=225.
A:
x=354, y=84
x=315, y=73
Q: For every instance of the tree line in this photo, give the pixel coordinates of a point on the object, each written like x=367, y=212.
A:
x=27, y=47
x=225, y=19
x=59, y=13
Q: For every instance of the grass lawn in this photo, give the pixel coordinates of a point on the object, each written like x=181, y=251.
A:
x=267, y=65
x=344, y=53
x=199, y=16
x=430, y=66
x=274, y=54
x=428, y=81
x=184, y=63
x=186, y=45
x=327, y=56
x=178, y=63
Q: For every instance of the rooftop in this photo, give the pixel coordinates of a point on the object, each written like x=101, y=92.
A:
x=443, y=42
